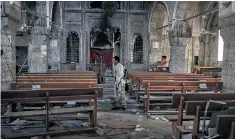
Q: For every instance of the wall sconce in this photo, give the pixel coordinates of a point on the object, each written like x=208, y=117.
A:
x=155, y=45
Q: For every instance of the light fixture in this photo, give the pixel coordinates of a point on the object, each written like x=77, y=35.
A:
x=155, y=44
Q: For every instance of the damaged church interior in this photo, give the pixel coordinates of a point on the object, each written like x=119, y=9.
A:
x=118, y=69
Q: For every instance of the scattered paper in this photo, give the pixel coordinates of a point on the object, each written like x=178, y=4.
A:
x=140, y=129
x=36, y=87
x=71, y=102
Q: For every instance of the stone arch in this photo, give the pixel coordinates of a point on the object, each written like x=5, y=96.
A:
x=51, y=5
x=159, y=42
x=211, y=41
x=183, y=10
x=55, y=20
x=154, y=8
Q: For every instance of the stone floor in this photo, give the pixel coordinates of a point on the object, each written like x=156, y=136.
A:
x=129, y=124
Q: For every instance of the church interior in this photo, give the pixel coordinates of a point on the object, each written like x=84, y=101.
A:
x=59, y=73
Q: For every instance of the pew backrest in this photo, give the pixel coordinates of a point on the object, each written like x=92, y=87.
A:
x=53, y=92
x=30, y=85
x=190, y=108
x=224, y=124
x=200, y=97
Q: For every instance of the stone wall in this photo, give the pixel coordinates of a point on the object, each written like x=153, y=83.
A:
x=81, y=18
x=228, y=72
x=9, y=23
x=38, y=47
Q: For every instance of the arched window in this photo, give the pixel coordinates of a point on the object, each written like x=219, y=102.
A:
x=137, y=51
x=72, y=54
x=220, y=48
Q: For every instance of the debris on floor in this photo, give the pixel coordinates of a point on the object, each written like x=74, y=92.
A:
x=76, y=124
x=99, y=131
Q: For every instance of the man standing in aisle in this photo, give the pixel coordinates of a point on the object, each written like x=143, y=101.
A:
x=120, y=99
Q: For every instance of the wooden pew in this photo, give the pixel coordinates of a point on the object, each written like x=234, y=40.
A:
x=232, y=131
x=62, y=73
x=203, y=96
x=191, y=101
x=55, y=77
x=224, y=125
x=81, y=74
x=145, y=80
x=141, y=90
x=182, y=86
x=46, y=95
x=208, y=71
x=131, y=75
x=199, y=114
x=136, y=79
x=177, y=78
x=51, y=85
x=56, y=80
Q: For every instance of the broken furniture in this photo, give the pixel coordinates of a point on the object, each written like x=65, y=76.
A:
x=45, y=96
x=190, y=101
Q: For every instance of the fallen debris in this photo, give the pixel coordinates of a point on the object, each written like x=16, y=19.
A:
x=76, y=124
x=152, y=137
x=154, y=117
x=133, y=110
x=99, y=131
x=85, y=124
x=102, y=125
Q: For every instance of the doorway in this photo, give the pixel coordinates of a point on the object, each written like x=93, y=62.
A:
x=21, y=59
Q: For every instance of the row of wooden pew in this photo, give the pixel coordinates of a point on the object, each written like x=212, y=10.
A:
x=195, y=106
x=190, y=95
x=51, y=89
x=156, y=88
x=55, y=80
x=212, y=71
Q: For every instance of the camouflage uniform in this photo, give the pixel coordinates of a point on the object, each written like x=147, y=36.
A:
x=120, y=99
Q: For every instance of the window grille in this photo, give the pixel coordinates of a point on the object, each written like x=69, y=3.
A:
x=137, y=51
x=72, y=54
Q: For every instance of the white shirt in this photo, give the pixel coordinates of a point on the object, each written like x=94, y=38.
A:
x=118, y=72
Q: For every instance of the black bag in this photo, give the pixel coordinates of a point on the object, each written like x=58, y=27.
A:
x=126, y=87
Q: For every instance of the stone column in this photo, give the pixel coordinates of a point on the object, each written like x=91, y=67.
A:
x=38, y=48
x=10, y=21
x=179, y=37
x=178, y=48
x=8, y=59
x=227, y=25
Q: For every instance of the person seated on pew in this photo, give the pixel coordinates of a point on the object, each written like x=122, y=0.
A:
x=120, y=99
x=164, y=63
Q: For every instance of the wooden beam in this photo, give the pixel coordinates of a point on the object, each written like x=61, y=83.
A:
x=40, y=100
x=51, y=133
x=41, y=93
x=43, y=112
x=15, y=86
